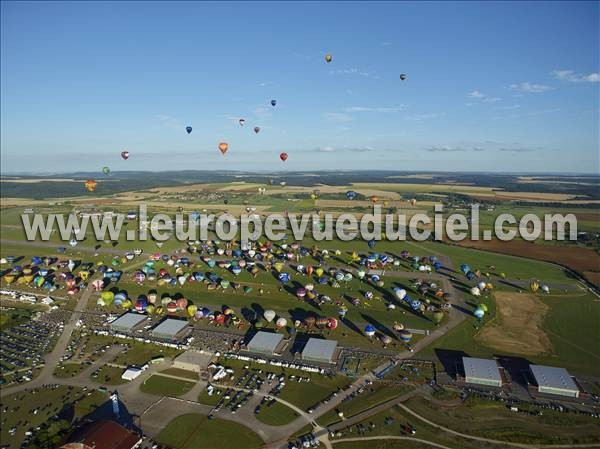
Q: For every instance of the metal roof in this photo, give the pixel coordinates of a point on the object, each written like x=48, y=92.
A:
x=553, y=377
x=319, y=349
x=481, y=369
x=265, y=342
x=128, y=320
x=169, y=327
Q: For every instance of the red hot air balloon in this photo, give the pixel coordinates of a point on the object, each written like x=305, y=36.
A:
x=125, y=154
x=283, y=156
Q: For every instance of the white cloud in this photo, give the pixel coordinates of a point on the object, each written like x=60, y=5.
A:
x=353, y=71
x=491, y=99
x=530, y=88
x=169, y=121
x=508, y=107
x=477, y=94
x=386, y=44
x=572, y=77
x=330, y=149
x=421, y=117
x=337, y=117
x=374, y=109
x=261, y=112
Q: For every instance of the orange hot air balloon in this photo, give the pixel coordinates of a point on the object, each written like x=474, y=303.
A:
x=283, y=156
x=90, y=184
x=309, y=270
x=374, y=199
x=223, y=146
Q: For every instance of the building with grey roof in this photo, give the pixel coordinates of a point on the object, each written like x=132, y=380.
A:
x=128, y=322
x=482, y=372
x=320, y=350
x=171, y=329
x=265, y=343
x=554, y=380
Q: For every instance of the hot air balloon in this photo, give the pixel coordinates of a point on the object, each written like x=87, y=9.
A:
x=370, y=330
x=280, y=323
x=400, y=293
x=545, y=289
x=402, y=76
x=125, y=154
x=273, y=103
x=182, y=303
x=372, y=243
x=438, y=315
x=386, y=339
x=283, y=156
x=483, y=307
x=188, y=129
x=106, y=170
x=301, y=292
x=256, y=129
x=332, y=323
x=242, y=121
x=398, y=327
x=534, y=286
x=405, y=335
x=479, y=313
x=475, y=291
x=90, y=184
x=351, y=194
x=223, y=146
x=172, y=307
x=269, y=315
x=328, y=58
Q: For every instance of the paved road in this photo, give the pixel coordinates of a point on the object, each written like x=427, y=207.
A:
x=392, y=437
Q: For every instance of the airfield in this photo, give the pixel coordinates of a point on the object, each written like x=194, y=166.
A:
x=384, y=388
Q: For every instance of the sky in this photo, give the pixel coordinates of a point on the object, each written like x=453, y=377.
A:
x=510, y=87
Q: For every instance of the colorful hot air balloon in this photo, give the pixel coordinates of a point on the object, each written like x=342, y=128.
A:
x=90, y=185
x=534, y=286
x=223, y=146
x=328, y=58
x=370, y=330
x=283, y=156
x=280, y=323
x=405, y=335
x=125, y=154
x=106, y=170
x=188, y=129
x=242, y=122
x=332, y=323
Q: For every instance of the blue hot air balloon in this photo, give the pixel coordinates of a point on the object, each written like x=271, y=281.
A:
x=273, y=103
x=351, y=194
x=369, y=330
x=188, y=129
x=372, y=243
x=283, y=277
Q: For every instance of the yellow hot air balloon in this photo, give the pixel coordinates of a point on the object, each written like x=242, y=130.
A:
x=534, y=286
x=328, y=58
x=319, y=272
x=90, y=184
x=192, y=309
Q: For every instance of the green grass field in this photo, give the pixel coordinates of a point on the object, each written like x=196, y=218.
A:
x=197, y=432
x=181, y=373
x=165, y=386
x=276, y=415
x=109, y=375
x=376, y=394
x=494, y=420
x=66, y=370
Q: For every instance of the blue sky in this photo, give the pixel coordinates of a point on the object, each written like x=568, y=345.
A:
x=490, y=86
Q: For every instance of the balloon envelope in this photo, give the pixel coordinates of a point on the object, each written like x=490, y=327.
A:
x=188, y=129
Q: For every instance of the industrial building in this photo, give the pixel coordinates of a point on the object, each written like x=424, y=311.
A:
x=320, y=350
x=265, y=343
x=171, y=329
x=482, y=372
x=195, y=361
x=554, y=380
x=128, y=322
